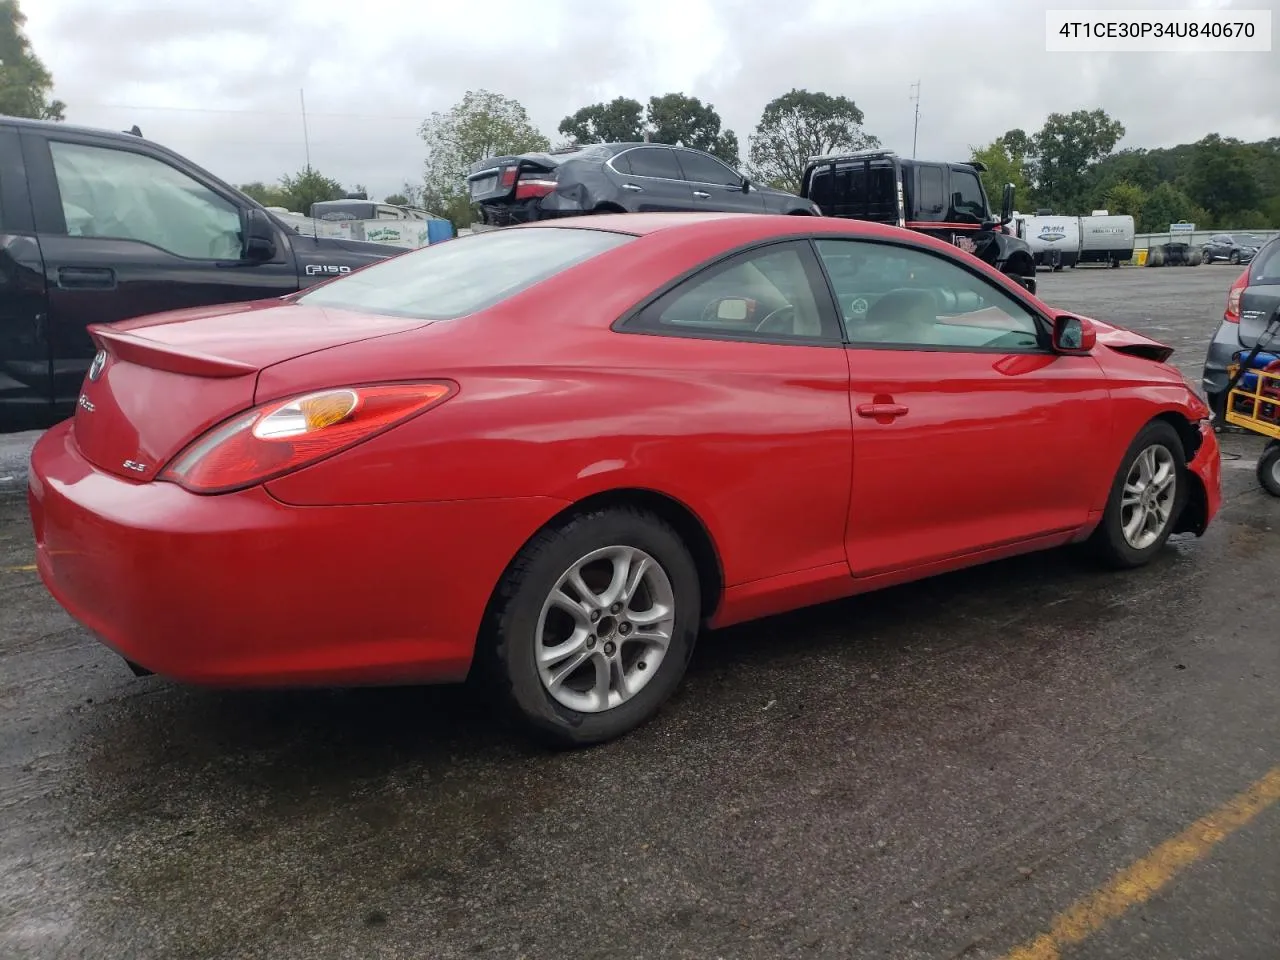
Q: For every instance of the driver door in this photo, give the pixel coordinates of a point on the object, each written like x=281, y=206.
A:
x=969, y=432
x=124, y=232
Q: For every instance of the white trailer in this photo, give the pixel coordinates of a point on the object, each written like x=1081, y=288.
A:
x=1054, y=241
x=1106, y=239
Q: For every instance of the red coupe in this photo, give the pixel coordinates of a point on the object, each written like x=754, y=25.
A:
x=554, y=452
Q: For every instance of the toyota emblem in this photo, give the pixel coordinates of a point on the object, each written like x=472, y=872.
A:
x=99, y=361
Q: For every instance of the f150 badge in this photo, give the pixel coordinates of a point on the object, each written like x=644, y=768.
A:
x=326, y=270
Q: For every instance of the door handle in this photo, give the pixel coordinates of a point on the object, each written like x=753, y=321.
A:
x=632, y=187
x=880, y=411
x=702, y=195
x=86, y=278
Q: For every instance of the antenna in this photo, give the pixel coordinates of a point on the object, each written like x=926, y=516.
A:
x=306, y=140
x=306, y=145
x=915, y=95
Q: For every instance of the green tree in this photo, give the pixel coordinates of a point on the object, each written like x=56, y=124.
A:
x=268, y=196
x=482, y=124
x=621, y=120
x=1063, y=150
x=25, y=82
x=799, y=125
x=1016, y=142
x=309, y=186
x=1004, y=165
x=1125, y=199
x=397, y=199
x=1223, y=178
x=688, y=122
x=1166, y=204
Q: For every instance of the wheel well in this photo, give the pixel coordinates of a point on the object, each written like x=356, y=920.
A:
x=1192, y=519
x=1020, y=264
x=800, y=213
x=684, y=521
x=608, y=206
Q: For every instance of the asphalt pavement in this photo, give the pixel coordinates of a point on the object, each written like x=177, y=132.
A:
x=1033, y=759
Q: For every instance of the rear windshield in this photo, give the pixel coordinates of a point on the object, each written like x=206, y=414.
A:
x=461, y=276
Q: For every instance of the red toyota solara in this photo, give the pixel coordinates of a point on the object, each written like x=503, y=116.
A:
x=554, y=452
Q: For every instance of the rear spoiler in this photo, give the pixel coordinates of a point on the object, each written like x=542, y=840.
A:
x=163, y=356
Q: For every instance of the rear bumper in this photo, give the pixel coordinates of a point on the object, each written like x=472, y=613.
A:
x=1224, y=345
x=243, y=590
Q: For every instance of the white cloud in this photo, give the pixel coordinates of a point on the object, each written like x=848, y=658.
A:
x=220, y=83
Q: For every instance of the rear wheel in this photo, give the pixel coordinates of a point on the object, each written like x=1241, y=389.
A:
x=1234, y=258
x=593, y=625
x=1269, y=468
x=1146, y=496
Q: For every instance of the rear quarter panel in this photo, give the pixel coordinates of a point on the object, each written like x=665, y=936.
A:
x=755, y=439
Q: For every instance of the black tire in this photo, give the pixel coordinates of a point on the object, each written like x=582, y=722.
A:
x=1269, y=468
x=1234, y=259
x=509, y=640
x=1108, y=542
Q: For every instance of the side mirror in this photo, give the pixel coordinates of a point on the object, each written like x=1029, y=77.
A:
x=1073, y=336
x=746, y=185
x=259, y=236
x=733, y=309
x=1006, y=204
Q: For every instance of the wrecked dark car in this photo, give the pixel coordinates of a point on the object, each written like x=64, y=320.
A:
x=618, y=178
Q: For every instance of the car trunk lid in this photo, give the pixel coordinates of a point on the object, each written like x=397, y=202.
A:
x=159, y=382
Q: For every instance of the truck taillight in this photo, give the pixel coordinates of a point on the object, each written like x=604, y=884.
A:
x=508, y=176
x=1232, y=314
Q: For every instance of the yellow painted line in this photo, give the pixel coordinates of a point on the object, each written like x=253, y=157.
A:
x=26, y=569
x=1138, y=882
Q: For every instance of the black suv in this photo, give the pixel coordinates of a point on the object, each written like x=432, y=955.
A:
x=617, y=178
x=1237, y=248
x=944, y=200
x=98, y=226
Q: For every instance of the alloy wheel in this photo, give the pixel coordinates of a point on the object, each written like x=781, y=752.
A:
x=604, y=629
x=1147, y=498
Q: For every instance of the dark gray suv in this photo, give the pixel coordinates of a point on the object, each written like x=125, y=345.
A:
x=1252, y=305
x=618, y=178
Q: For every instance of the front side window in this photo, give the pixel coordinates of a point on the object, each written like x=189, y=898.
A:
x=463, y=275
x=966, y=197
x=122, y=195
x=700, y=168
x=766, y=294
x=902, y=297
x=657, y=162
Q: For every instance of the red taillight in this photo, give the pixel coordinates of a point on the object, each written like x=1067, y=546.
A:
x=528, y=189
x=508, y=176
x=1232, y=314
x=285, y=435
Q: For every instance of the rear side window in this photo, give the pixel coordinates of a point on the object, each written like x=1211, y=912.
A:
x=1266, y=267
x=464, y=275
x=654, y=162
x=931, y=206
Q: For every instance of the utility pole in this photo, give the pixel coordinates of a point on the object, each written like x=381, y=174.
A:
x=915, y=95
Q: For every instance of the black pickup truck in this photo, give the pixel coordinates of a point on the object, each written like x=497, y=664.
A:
x=98, y=226
x=944, y=200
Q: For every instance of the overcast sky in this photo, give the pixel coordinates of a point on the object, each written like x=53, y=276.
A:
x=219, y=81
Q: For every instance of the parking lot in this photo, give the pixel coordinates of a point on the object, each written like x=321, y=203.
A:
x=1012, y=761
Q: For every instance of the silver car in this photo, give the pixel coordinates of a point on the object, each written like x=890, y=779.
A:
x=1252, y=307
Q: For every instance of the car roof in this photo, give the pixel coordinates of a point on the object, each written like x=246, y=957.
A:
x=722, y=224
x=68, y=128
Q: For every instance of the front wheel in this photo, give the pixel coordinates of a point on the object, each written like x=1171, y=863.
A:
x=593, y=625
x=1234, y=259
x=1269, y=468
x=1146, y=496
